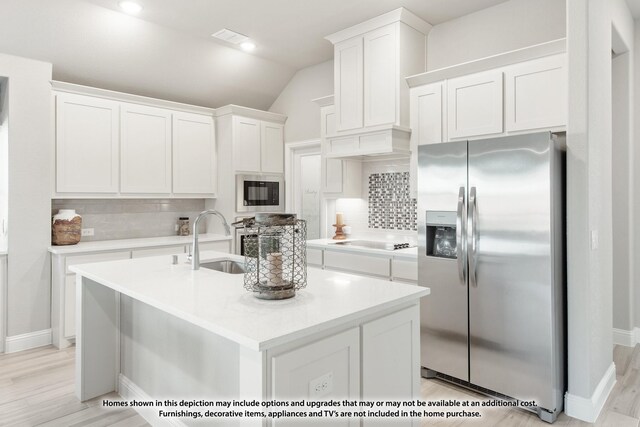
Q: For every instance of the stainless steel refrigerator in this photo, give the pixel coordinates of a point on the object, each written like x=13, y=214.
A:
x=491, y=227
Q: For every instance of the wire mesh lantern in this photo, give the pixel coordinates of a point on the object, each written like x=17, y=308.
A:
x=275, y=255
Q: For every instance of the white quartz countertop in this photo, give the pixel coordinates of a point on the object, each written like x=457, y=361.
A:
x=109, y=245
x=409, y=253
x=219, y=303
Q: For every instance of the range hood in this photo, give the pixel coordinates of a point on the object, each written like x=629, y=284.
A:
x=380, y=141
x=371, y=61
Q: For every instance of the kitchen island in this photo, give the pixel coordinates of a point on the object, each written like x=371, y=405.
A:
x=150, y=329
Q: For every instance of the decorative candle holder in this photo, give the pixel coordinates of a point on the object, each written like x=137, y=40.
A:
x=275, y=256
x=339, y=233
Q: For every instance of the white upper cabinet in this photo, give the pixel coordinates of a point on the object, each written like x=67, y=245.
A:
x=246, y=144
x=111, y=145
x=427, y=124
x=87, y=144
x=194, y=154
x=426, y=114
x=536, y=94
x=371, y=62
x=272, y=147
x=380, y=76
x=250, y=141
x=145, y=149
x=348, y=81
x=475, y=105
x=339, y=178
x=503, y=94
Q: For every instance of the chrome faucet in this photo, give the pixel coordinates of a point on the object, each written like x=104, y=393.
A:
x=195, y=258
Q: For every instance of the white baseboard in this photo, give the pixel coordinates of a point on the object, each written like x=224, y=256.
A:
x=128, y=390
x=16, y=343
x=625, y=337
x=588, y=409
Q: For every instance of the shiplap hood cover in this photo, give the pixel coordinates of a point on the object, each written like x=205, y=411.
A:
x=167, y=52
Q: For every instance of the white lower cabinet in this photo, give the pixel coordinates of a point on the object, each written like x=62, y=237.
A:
x=394, y=268
x=63, y=292
x=325, y=369
x=69, y=313
x=63, y=281
x=378, y=359
x=369, y=265
x=391, y=360
x=404, y=270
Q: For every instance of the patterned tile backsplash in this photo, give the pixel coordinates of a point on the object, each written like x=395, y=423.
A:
x=390, y=206
x=131, y=218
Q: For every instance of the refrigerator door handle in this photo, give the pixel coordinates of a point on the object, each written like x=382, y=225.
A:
x=472, y=238
x=461, y=240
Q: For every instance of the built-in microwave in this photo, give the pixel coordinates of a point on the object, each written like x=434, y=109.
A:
x=259, y=193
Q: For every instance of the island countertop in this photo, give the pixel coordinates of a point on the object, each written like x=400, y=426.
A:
x=219, y=303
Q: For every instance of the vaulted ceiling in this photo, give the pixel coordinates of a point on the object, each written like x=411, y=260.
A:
x=167, y=52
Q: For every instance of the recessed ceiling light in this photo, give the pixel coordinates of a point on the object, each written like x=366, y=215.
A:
x=130, y=7
x=248, y=46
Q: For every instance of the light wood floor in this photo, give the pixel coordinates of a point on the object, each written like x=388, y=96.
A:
x=36, y=389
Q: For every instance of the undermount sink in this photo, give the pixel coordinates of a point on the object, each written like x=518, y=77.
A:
x=225, y=266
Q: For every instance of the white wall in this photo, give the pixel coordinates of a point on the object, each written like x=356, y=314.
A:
x=507, y=26
x=4, y=161
x=635, y=187
x=589, y=133
x=29, y=205
x=303, y=116
x=621, y=192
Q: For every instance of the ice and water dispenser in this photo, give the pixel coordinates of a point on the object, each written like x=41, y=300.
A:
x=441, y=234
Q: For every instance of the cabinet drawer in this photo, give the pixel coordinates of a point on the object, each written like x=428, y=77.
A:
x=404, y=270
x=366, y=264
x=101, y=257
x=171, y=250
x=69, y=306
x=220, y=246
x=314, y=257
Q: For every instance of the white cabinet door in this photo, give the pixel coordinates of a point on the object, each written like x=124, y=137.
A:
x=195, y=169
x=145, y=149
x=271, y=147
x=536, y=94
x=391, y=358
x=380, y=75
x=348, y=78
x=334, y=361
x=86, y=144
x=426, y=114
x=246, y=144
x=69, y=327
x=475, y=105
x=427, y=124
x=331, y=168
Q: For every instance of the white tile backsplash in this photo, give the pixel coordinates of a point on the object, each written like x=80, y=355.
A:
x=356, y=211
x=131, y=218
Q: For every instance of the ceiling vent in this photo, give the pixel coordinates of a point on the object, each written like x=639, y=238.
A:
x=229, y=36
